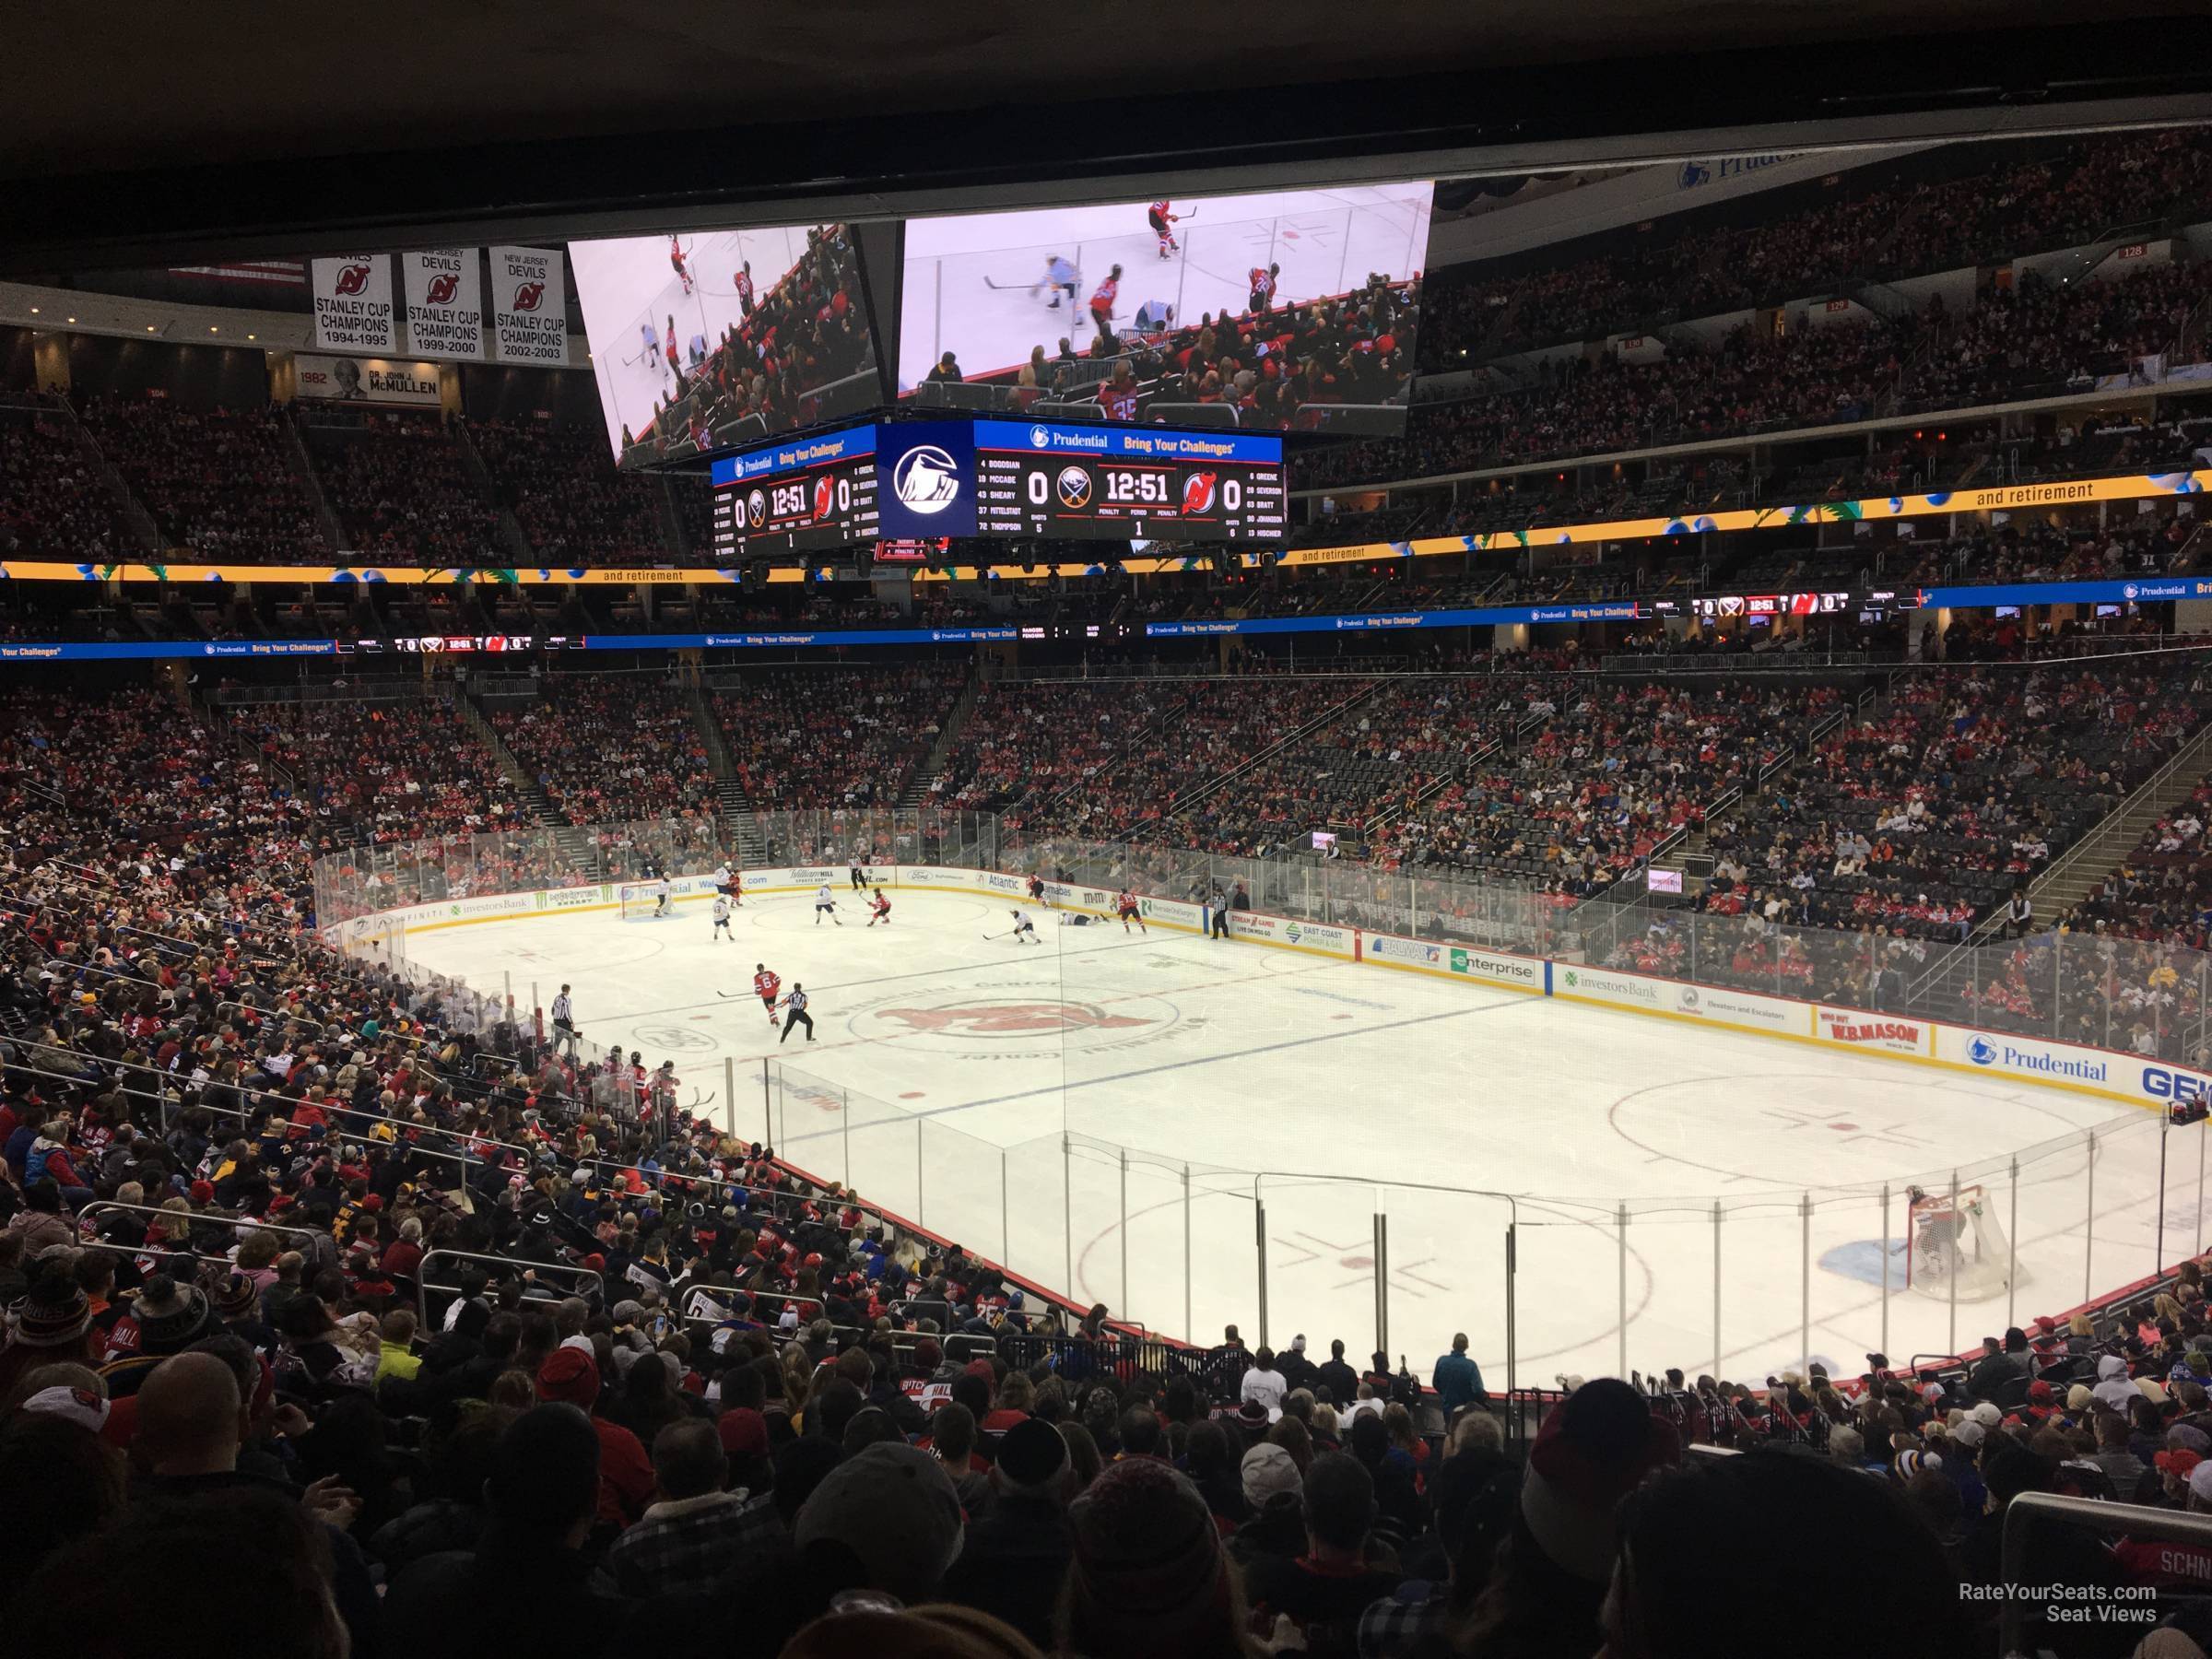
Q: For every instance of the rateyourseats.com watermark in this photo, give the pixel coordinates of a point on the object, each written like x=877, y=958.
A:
x=2075, y=1604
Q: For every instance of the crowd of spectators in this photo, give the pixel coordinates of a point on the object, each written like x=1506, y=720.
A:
x=54, y=501
x=1870, y=227
x=803, y=738
x=685, y=1394
x=1278, y=369
x=404, y=493
x=672, y=1389
x=807, y=333
x=219, y=482
x=387, y=771
x=2018, y=340
x=611, y=748
x=574, y=505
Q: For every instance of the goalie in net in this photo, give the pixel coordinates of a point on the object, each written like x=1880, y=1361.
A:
x=1954, y=1241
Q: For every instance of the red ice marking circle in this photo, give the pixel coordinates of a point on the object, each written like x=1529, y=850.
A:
x=912, y=1094
x=1844, y=1128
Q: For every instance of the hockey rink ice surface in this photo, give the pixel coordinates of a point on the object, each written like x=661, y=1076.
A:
x=1325, y=241
x=1348, y=1090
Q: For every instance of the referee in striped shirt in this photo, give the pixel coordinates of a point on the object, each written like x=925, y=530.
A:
x=564, y=1023
x=796, y=1003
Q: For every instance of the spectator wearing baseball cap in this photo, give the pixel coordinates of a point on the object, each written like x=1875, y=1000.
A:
x=525, y=1588
x=1017, y=1553
x=570, y=1376
x=885, y=1518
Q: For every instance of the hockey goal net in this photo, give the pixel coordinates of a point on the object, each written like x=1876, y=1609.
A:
x=1957, y=1241
x=638, y=899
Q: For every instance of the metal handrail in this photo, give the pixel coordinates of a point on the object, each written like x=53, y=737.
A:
x=100, y=1207
x=2029, y=1509
x=424, y=1286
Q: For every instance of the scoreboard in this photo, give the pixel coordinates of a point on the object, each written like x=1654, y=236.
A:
x=802, y=495
x=1048, y=478
x=902, y=483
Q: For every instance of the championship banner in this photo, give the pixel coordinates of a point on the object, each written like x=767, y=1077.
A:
x=353, y=303
x=367, y=380
x=445, y=303
x=529, y=306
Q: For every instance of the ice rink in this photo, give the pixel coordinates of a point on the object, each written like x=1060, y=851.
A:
x=949, y=1065
x=1325, y=241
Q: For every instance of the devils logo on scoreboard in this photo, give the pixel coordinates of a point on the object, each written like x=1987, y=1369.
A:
x=825, y=496
x=1199, y=494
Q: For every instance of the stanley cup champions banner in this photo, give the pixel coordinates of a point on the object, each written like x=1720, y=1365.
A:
x=445, y=303
x=353, y=304
x=529, y=305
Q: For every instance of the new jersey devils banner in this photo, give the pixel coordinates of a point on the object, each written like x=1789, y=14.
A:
x=353, y=303
x=529, y=305
x=445, y=303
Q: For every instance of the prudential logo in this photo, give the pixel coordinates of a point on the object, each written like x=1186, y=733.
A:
x=926, y=478
x=1981, y=1052
x=1040, y=437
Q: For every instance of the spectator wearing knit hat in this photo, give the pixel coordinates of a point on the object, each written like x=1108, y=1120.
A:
x=1149, y=1575
x=167, y=1318
x=1596, y=1446
x=53, y=1325
x=570, y=1376
x=1016, y=1554
x=1885, y=1588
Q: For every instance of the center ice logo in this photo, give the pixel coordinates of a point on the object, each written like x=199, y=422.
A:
x=1003, y=1019
x=926, y=478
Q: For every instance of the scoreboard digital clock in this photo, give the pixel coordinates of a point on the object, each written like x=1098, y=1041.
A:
x=1047, y=479
x=802, y=495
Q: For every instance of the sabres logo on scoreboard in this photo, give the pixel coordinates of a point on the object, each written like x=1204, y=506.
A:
x=1073, y=488
x=756, y=504
x=1199, y=494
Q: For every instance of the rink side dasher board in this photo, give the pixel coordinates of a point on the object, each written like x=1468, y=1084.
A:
x=2049, y=1064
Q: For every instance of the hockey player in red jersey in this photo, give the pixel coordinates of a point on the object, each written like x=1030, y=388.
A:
x=1124, y=906
x=743, y=281
x=764, y=986
x=879, y=909
x=676, y=258
x=1163, y=226
x=668, y=347
x=1263, y=288
x=1102, y=301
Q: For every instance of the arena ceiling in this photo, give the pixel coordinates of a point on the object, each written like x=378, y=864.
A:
x=241, y=127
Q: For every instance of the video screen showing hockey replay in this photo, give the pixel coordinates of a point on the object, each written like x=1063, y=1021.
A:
x=710, y=340
x=1285, y=312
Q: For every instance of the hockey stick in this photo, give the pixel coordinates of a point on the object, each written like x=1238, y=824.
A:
x=1004, y=287
x=735, y=995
